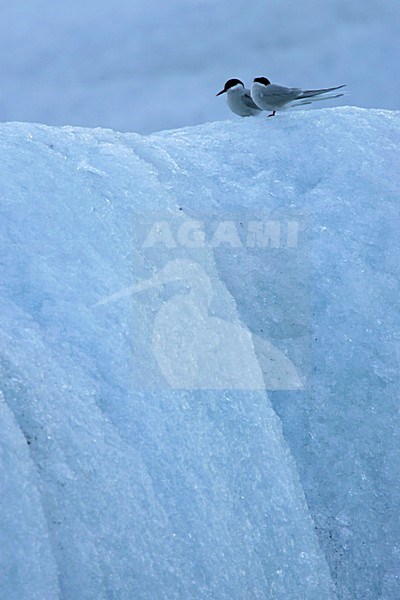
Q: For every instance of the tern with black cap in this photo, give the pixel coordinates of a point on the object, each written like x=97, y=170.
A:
x=239, y=99
x=273, y=97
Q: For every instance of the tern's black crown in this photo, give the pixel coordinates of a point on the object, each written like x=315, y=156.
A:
x=262, y=80
x=231, y=83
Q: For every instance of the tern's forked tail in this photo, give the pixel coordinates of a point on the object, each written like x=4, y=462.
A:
x=312, y=93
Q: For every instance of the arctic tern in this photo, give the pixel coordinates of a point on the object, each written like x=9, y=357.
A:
x=239, y=99
x=273, y=97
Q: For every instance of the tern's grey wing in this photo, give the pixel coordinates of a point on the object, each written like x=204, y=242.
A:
x=248, y=101
x=279, y=95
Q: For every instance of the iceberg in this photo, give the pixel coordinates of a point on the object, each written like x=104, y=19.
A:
x=199, y=359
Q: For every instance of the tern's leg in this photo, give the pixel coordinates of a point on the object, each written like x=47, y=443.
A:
x=272, y=114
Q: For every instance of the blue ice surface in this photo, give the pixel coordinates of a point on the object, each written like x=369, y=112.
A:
x=117, y=483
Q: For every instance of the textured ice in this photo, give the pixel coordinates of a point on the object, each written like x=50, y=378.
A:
x=27, y=565
x=116, y=485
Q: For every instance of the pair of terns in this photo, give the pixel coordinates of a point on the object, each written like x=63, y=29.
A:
x=265, y=95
